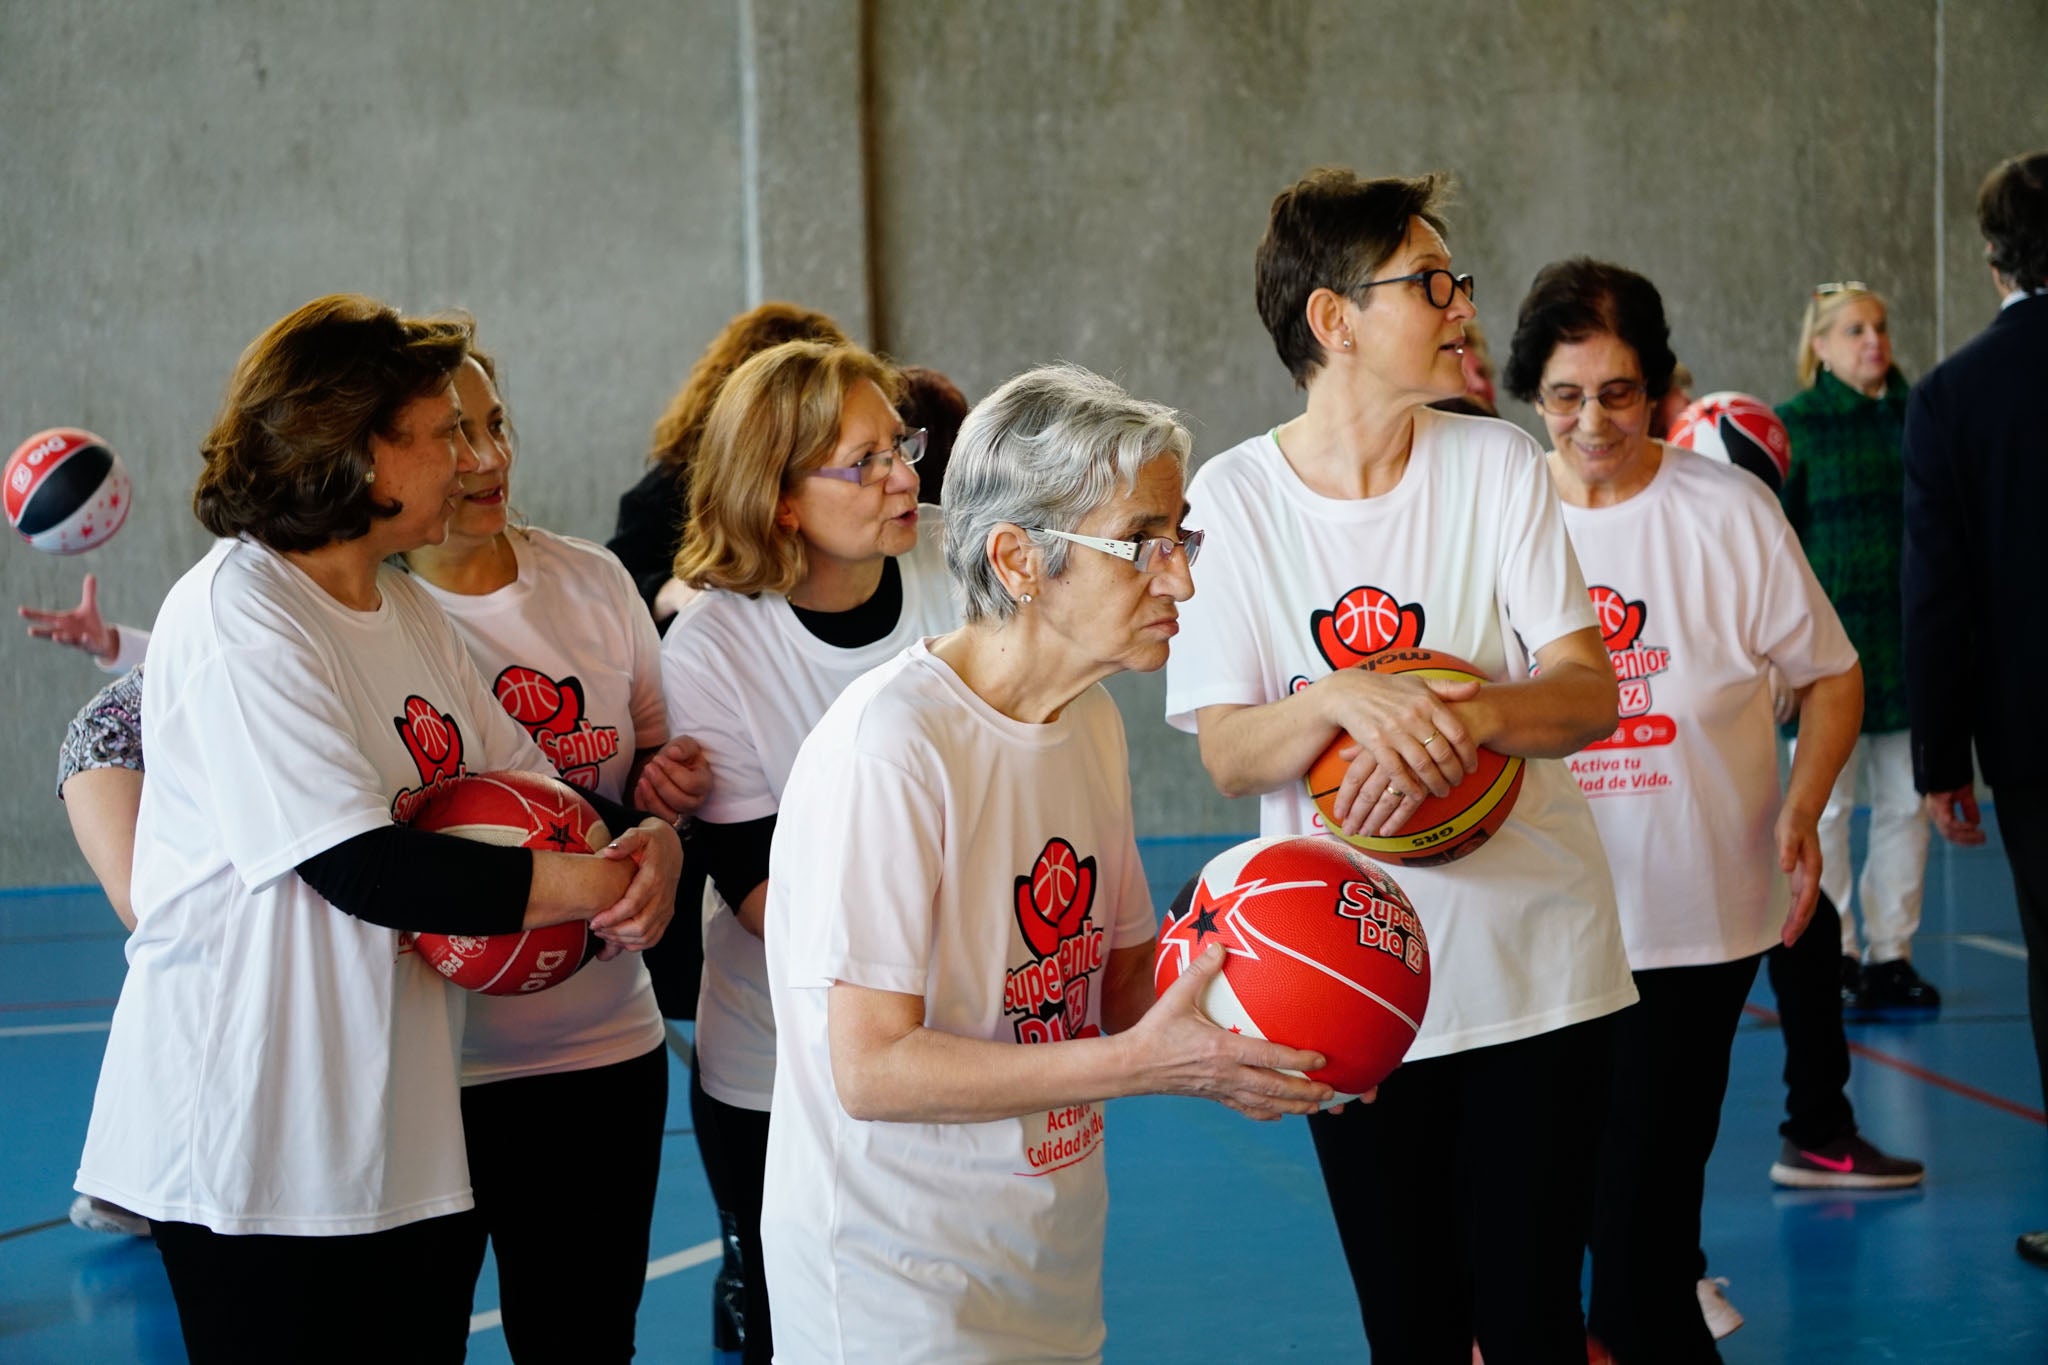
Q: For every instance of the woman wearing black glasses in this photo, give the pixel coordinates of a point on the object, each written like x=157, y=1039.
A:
x=957, y=917
x=1700, y=587
x=1372, y=521
x=817, y=565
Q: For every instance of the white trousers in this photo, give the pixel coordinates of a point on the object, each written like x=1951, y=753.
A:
x=1895, y=866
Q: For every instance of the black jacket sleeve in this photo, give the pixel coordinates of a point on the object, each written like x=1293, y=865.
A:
x=1935, y=578
x=734, y=857
x=649, y=531
x=428, y=883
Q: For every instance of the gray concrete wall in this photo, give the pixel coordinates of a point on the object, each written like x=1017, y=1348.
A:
x=979, y=186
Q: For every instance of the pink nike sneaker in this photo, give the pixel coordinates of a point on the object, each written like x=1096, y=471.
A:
x=1849, y=1163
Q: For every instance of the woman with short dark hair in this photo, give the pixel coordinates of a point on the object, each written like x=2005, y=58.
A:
x=1700, y=588
x=279, y=1095
x=1420, y=527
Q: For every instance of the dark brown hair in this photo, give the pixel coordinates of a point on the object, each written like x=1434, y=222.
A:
x=2012, y=212
x=934, y=402
x=1332, y=230
x=289, y=456
x=1574, y=299
x=682, y=426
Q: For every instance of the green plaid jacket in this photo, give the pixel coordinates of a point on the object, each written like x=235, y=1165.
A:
x=1845, y=496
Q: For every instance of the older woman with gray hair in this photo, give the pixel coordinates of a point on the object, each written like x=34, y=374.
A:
x=959, y=935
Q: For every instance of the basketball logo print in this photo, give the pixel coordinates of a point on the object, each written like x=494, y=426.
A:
x=1621, y=620
x=430, y=736
x=552, y=712
x=1365, y=621
x=1054, y=899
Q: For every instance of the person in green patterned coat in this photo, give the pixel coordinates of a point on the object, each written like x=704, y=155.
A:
x=1845, y=497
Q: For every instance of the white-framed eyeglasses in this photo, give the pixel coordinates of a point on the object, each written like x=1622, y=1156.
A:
x=1143, y=554
x=872, y=469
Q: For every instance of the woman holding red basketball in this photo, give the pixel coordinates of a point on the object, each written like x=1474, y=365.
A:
x=1372, y=520
x=1700, y=586
x=279, y=1095
x=557, y=628
x=960, y=940
x=815, y=564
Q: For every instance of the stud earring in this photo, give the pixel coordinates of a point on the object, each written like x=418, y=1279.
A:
x=1024, y=598
x=370, y=477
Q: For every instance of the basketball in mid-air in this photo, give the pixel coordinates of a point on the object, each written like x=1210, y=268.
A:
x=1736, y=429
x=1444, y=828
x=65, y=491
x=1323, y=951
x=518, y=810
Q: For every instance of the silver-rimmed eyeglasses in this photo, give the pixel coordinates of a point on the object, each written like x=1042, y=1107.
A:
x=1568, y=400
x=872, y=469
x=1145, y=555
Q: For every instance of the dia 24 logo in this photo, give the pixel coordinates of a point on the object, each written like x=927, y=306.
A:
x=1053, y=903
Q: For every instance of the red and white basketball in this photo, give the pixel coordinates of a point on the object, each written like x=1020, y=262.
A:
x=518, y=810
x=1367, y=619
x=1737, y=429
x=65, y=491
x=1323, y=951
x=1444, y=828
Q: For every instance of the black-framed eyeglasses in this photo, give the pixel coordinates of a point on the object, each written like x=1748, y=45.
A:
x=872, y=469
x=1437, y=285
x=1568, y=400
x=1143, y=554
x=1821, y=291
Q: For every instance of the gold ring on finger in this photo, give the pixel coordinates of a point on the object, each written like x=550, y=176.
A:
x=1433, y=738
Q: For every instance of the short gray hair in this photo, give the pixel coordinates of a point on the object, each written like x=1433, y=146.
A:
x=1043, y=451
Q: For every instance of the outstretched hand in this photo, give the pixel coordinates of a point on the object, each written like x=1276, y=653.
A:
x=81, y=627
x=1181, y=1053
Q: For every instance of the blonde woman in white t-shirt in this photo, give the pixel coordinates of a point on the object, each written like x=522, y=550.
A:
x=960, y=940
x=814, y=565
x=279, y=1095
x=583, y=1067
x=1370, y=521
x=1701, y=588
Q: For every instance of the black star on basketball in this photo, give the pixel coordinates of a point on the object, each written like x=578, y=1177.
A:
x=560, y=837
x=1205, y=922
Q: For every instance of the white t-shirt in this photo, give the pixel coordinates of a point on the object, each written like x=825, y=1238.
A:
x=1699, y=585
x=570, y=651
x=1467, y=554
x=277, y=1065
x=747, y=681
x=932, y=846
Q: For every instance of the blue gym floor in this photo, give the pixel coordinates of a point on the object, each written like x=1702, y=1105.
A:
x=1220, y=1246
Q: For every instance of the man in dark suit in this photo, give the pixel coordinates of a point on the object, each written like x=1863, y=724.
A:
x=1976, y=628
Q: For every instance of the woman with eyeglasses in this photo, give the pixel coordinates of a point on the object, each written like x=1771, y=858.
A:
x=815, y=564
x=1700, y=587
x=960, y=938
x=1845, y=496
x=1373, y=521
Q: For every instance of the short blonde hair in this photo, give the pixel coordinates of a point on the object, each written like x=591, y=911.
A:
x=1821, y=310
x=775, y=420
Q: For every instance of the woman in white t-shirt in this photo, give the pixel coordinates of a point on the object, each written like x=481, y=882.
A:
x=582, y=1067
x=815, y=564
x=1700, y=587
x=279, y=1094
x=1371, y=521
x=955, y=876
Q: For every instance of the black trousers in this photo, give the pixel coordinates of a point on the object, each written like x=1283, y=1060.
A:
x=400, y=1295
x=1670, y=1075
x=1807, y=980
x=1462, y=1198
x=564, y=1167
x=2023, y=828
x=733, y=1143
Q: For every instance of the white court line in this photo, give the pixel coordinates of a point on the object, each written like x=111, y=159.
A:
x=656, y=1268
x=40, y=1030
x=2003, y=947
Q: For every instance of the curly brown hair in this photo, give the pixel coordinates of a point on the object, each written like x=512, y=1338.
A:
x=682, y=426
x=288, y=459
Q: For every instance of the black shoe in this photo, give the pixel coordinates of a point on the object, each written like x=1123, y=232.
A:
x=1849, y=1163
x=1895, y=985
x=1852, y=982
x=2033, y=1246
